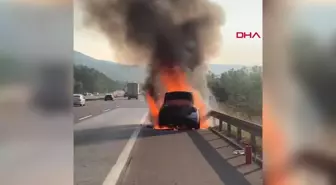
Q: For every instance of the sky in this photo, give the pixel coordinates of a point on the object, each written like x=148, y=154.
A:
x=240, y=16
x=318, y=20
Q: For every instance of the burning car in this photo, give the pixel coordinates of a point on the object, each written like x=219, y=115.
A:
x=178, y=111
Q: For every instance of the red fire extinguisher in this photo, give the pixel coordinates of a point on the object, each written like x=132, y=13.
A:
x=248, y=154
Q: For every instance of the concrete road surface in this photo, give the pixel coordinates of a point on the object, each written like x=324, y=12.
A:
x=186, y=158
x=99, y=142
x=108, y=151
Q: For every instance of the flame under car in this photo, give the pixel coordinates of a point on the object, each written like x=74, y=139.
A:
x=178, y=111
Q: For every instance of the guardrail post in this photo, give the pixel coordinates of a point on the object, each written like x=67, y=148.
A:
x=252, y=150
x=228, y=128
x=220, y=127
x=239, y=134
x=253, y=143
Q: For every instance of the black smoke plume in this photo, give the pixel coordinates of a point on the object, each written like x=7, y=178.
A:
x=159, y=33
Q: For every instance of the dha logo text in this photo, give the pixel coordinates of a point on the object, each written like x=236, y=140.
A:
x=244, y=35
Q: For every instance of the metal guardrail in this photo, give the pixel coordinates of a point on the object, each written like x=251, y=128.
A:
x=238, y=132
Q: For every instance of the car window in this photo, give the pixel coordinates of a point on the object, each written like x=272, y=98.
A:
x=178, y=102
x=76, y=96
x=178, y=95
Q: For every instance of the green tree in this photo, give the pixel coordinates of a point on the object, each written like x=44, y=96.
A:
x=78, y=87
x=90, y=80
x=241, y=89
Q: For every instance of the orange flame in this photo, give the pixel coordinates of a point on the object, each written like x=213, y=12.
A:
x=174, y=79
x=278, y=171
x=153, y=110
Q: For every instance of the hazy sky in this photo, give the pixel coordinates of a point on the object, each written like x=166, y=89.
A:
x=240, y=16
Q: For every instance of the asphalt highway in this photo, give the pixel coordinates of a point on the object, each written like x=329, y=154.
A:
x=94, y=108
x=112, y=147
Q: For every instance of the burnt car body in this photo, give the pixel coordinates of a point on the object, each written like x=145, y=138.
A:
x=178, y=111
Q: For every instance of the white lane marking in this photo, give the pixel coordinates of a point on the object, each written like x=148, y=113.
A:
x=106, y=110
x=117, y=106
x=144, y=118
x=85, y=117
x=113, y=177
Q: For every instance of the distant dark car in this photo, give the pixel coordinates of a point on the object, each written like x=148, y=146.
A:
x=109, y=97
x=178, y=111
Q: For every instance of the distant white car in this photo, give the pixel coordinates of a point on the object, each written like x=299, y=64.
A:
x=78, y=99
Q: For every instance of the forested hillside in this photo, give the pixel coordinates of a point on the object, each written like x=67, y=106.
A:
x=120, y=72
x=90, y=80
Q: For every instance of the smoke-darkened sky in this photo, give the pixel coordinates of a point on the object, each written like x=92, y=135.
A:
x=94, y=44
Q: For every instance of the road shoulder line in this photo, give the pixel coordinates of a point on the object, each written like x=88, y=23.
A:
x=85, y=117
x=113, y=176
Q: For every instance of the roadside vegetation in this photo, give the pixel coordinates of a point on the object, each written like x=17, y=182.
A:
x=90, y=80
x=239, y=92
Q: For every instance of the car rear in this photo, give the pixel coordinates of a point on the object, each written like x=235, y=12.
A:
x=178, y=111
x=78, y=99
x=109, y=97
